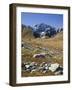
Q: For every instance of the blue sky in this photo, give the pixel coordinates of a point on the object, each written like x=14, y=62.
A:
x=55, y=20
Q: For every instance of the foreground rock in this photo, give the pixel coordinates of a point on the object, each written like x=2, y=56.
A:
x=29, y=66
x=43, y=67
x=41, y=55
x=56, y=68
x=53, y=67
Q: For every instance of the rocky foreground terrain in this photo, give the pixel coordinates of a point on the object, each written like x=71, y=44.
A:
x=39, y=61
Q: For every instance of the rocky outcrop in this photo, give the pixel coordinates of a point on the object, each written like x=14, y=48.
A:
x=43, y=67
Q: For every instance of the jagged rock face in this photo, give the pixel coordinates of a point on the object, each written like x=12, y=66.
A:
x=42, y=30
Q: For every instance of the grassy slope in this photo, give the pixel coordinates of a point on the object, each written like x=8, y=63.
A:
x=54, y=44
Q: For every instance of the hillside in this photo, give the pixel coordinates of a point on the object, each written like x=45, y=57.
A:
x=54, y=42
x=52, y=46
x=27, y=33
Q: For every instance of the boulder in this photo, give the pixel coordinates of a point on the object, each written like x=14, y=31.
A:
x=41, y=55
x=59, y=71
x=53, y=67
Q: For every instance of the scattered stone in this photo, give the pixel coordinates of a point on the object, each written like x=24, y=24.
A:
x=22, y=44
x=53, y=67
x=41, y=55
x=59, y=71
x=34, y=70
x=43, y=67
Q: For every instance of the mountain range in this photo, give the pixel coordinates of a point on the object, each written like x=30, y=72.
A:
x=40, y=30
